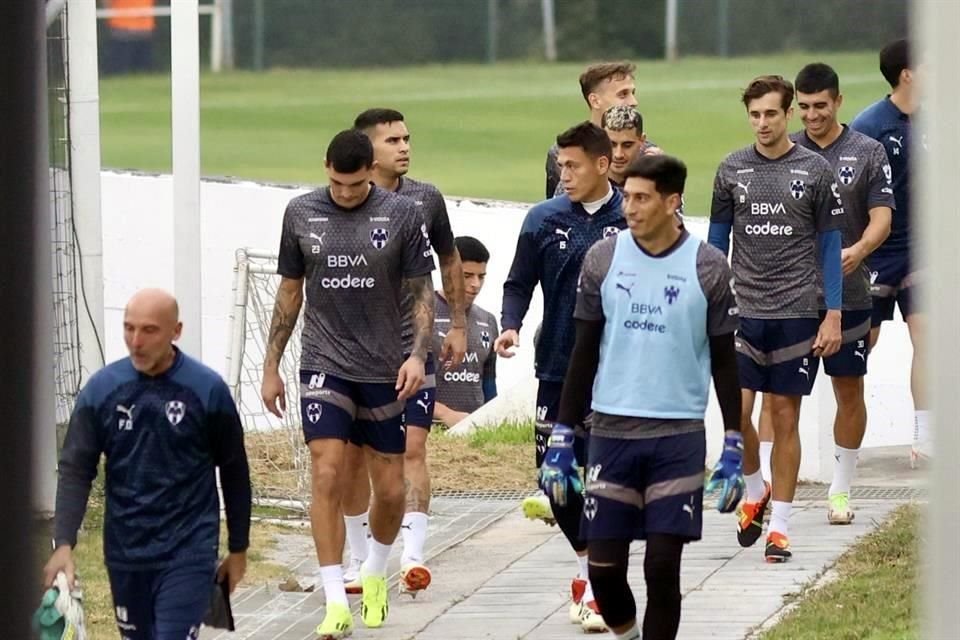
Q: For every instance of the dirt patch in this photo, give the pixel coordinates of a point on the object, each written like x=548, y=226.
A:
x=456, y=465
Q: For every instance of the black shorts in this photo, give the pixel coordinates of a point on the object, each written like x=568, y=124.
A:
x=548, y=405
x=893, y=282
x=851, y=360
x=776, y=356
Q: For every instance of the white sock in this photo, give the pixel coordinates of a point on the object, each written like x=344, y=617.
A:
x=780, y=516
x=766, y=451
x=633, y=633
x=357, y=535
x=588, y=593
x=921, y=426
x=755, y=486
x=844, y=468
x=333, y=589
x=584, y=562
x=376, y=562
x=414, y=532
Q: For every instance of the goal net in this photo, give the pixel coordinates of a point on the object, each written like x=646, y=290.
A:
x=279, y=461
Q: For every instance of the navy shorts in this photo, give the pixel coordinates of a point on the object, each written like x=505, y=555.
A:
x=775, y=356
x=650, y=485
x=364, y=413
x=548, y=405
x=419, y=409
x=851, y=360
x=166, y=604
x=893, y=281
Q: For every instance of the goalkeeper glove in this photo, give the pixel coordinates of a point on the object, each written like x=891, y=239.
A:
x=560, y=469
x=728, y=473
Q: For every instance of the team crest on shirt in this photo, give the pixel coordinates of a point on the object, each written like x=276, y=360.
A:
x=671, y=294
x=485, y=339
x=379, y=237
x=797, y=189
x=610, y=231
x=846, y=174
x=175, y=410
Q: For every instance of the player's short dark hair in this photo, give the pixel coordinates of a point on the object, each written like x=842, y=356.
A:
x=620, y=117
x=471, y=249
x=762, y=85
x=595, y=74
x=589, y=137
x=894, y=58
x=669, y=174
x=350, y=151
x=817, y=77
x=372, y=117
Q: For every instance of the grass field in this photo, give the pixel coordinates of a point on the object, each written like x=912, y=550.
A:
x=478, y=130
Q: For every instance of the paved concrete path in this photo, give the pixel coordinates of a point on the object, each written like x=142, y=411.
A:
x=501, y=577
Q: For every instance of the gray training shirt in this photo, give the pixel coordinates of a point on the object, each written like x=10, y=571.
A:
x=354, y=262
x=862, y=172
x=777, y=208
x=434, y=210
x=461, y=387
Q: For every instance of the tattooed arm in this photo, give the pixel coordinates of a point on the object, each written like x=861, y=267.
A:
x=286, y=310
x=451, y=274
x=411, y=374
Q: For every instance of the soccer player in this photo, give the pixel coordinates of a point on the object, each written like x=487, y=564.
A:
x=391, y=151
x=894, y=269
x=165, y=423
x=780, y=201
x=624, y=126
x=554, y=238
x=464, y=389
x=652, y=290
x=862, y=171
x=350, y=246
x=603, y=85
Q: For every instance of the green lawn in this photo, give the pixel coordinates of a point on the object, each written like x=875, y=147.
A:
x=478, y=130
x=874, y=594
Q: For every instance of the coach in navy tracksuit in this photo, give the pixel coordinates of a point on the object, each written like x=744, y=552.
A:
x=164, y=421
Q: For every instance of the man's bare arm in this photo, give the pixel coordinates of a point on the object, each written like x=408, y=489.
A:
x=286, y=310
x=451, y=274
x=423, y=308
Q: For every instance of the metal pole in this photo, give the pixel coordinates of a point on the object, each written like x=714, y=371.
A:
x=723, y=28
x=228, y=46
x=84, y=86
x=937, y=166
x=258, y=34
x=185, y=85
x=493, y=27
x=671, y=31
x=216, y=37
x=549, y=30
x=25, y=229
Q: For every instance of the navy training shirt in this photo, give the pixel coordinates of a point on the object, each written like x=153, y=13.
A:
x=162, y=437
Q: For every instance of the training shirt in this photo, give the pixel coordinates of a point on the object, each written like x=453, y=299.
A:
x=354, y=262
x=776, y=208
x=554, y=238
x=658, y=313
x=162, y=437
x=863, y=176
x=474, y=382
x=884, y=122
x=434, y=209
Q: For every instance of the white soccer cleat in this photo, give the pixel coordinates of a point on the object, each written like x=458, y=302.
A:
x=590, y=619
x=351, y=577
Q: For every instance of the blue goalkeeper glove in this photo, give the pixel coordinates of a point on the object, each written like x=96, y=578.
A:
x=728, y=473
x=560, y=469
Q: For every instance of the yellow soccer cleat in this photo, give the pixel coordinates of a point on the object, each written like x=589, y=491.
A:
x=337, y=624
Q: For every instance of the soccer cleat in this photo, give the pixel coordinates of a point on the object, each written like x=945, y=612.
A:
x=590, y=619
x=351, y=577
x=778, y=548
x=750, y=519
x=840, y=511
x=414, y=578
x=577, y=588
x=374, y=605
x=337, y=624
x=538, y=508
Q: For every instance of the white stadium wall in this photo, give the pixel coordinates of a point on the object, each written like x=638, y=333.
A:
x=137, y=221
